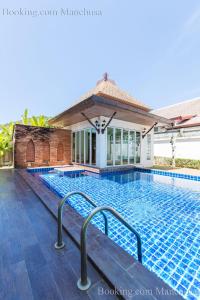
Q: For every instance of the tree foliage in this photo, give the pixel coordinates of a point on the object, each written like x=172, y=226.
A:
x=6, y=138
x=6, y=131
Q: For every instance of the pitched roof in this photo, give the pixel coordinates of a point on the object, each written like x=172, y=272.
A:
x=194, y=121
x=105, y=99
x=185, y=114
x=96, y=106
x=108, y=88
x=189, y=107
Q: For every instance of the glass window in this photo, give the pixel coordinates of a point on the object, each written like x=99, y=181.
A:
x=93, y=146
x=132, y=147
x=138, y=146
x=77, y=147
x=109, y=146
x=82, y=147
x=87, y=146
x=148, y=146
x=73, y=146
x=118, y=146
x=125, y=147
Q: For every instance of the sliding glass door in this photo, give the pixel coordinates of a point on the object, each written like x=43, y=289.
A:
x=93, y=146
x=123, y=146
x=87, y=146
x=138, y=146
x=118, y=146
x=84, y=146
x=73, y=147
x=132, y=147
x=110, y=150
x=77, y=140
x=82, y=133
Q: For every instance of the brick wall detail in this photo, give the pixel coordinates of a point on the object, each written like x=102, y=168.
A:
x=39, y=146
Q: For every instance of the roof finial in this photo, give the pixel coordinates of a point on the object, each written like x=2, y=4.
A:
x=105, y=76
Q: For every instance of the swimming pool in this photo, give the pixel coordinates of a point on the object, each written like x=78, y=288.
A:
x=164, y=210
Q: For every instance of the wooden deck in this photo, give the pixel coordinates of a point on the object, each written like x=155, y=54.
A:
x=30, y=267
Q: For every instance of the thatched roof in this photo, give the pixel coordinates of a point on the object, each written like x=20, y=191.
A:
x=109, y=89
x=103, y=100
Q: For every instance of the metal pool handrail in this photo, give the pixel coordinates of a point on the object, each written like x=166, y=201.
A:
x=60, y=244
x=84, y=282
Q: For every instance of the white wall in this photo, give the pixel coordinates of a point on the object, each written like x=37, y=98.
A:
x=144, y=161
x=185, y=148
x=81, y=125
x=101, y=140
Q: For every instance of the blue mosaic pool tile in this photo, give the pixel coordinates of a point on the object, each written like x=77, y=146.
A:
x=197, y=284
x=171, y=174
x=176, y=276
x=164, y=210
x=191, y=271
x=39, y=170
x=185, y=283
x=172, y=282
x=181, y=289
x=191, y=297
x=195, y=291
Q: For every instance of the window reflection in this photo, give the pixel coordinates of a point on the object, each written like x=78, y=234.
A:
x=138, y=146
x=110, y=146
x=84, y=146
x=118, y=146
x=123, y=146
x=93, y=146
x=132, y=147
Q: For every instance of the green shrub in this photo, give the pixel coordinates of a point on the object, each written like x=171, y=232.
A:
x=187, y=163
x=180, y=162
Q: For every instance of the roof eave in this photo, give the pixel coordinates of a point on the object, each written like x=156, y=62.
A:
x=112, y=103
x=79, y=106
x=130, y=107
x=138, y=105
x=187, y=126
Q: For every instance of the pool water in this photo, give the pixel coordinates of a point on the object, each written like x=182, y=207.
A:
x=164, y=210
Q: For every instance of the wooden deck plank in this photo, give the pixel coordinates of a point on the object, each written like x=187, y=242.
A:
x=30, y=267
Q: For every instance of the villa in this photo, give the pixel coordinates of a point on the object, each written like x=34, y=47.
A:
x=106, y=127
x=131, y=232
x=100, y=184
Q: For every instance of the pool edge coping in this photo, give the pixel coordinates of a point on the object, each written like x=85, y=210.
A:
x=117, y=170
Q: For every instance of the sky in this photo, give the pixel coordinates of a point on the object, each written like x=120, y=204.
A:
x=150, y=48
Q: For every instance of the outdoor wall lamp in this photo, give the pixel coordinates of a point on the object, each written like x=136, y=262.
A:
x=99, y=126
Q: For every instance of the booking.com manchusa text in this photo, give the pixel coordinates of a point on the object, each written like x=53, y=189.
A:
x=63, y=12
